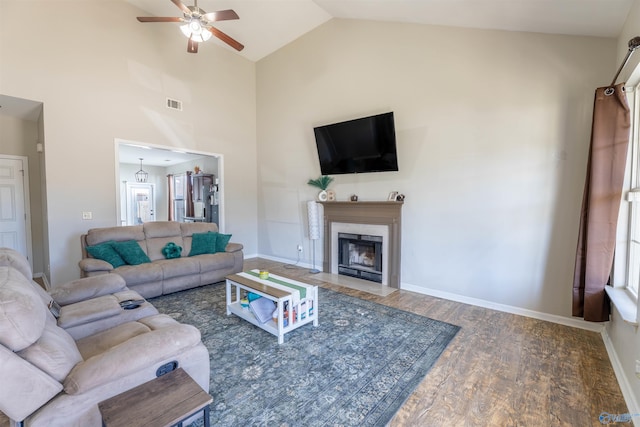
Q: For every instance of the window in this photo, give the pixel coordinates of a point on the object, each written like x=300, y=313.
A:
x=626, y=269
x=632, y=276
x=633, y=264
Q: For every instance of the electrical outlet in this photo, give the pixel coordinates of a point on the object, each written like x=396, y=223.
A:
x=87, y=215
x=300, y=248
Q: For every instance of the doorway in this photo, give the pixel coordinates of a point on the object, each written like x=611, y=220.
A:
x=15, y=217
x=140, y=203
x=160, y=163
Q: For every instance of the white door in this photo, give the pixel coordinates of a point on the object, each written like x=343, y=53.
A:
x=13, y=209
x=141, y=205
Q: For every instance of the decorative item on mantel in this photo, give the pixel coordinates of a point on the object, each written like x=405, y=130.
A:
x=322, y=183
x=395, y=196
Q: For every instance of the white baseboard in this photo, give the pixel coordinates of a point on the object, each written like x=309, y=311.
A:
x=567, y=321
x=623, y=381
x=287, y=261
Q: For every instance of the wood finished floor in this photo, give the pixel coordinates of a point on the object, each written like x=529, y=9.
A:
x=501, y=369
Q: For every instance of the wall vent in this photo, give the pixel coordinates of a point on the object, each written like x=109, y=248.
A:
x=174, y=104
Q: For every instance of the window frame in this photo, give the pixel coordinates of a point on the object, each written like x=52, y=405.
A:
x=626, y=268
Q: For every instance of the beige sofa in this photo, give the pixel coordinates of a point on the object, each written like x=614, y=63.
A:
x=51, y=379
x=162, y=276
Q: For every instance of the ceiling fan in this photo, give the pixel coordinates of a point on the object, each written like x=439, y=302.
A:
x=197, y=25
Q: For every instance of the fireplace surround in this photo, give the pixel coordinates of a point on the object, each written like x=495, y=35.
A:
x=364, y=215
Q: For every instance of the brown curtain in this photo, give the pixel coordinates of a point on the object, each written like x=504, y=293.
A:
x=601, y=203
x=170, y=193
x=189, y=196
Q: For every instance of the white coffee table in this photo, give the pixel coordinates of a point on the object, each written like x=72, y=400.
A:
x=302, y=297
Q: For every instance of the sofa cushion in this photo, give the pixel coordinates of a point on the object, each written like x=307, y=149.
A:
x=106, y=252
x=162, y=229
x=222, y=241
x=203, y=243
x=179, y=267
x=103, y=341
x=12, y=258
x=55, y=352
x=131, y=252
x=140, y=351
x=143, y=273
x=119, y=234
x=22, y=312
x=217, y=261
x=189, y=228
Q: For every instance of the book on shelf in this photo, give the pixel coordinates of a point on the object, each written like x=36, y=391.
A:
x=262, y=308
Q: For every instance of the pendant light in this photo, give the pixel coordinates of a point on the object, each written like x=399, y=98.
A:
x=141, y=175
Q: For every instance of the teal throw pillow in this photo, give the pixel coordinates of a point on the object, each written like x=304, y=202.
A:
x=222, y=241
x=171, y=250
x=131, y=252
x=106, y=252
x=203, y=243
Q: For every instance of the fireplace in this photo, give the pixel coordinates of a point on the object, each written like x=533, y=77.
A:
x=360, y=256
x=381, y=220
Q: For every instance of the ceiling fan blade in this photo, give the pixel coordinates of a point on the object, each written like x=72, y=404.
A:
x=192, y=46
x=182, y=7
x=221, y=15
x=159, y=19
x=226, y=38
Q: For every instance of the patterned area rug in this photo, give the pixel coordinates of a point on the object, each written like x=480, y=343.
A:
x=357, y=367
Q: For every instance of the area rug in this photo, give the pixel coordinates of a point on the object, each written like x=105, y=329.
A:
x=357, y=367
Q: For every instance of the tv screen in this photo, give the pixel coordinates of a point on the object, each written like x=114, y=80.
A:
x=361, y=145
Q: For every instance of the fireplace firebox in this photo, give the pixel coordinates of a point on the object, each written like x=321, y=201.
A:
x=360, y=255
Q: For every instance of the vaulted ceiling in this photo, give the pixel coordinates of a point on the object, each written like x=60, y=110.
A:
x=267, y=25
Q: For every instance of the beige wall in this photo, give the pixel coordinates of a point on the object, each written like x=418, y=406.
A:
x=492, y=132
x=112, y=84
x=18, y=138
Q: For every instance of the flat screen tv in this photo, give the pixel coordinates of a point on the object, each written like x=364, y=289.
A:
x=361, y=145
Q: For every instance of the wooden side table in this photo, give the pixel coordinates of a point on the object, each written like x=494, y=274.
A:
x=164, y=401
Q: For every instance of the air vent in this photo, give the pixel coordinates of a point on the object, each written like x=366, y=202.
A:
x=174, y=104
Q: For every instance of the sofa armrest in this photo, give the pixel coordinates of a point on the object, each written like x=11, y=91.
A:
x=131, y=356
x=91, y=265
x=234, y=247
x=87, y=288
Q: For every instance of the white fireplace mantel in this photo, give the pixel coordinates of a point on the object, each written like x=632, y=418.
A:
x=375, y=213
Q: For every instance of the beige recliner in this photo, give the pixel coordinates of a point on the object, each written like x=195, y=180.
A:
x=87, y=305
x=51, y=379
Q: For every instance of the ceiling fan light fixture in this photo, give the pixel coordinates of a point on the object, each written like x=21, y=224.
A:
x=196, y=25
x=194, y=30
